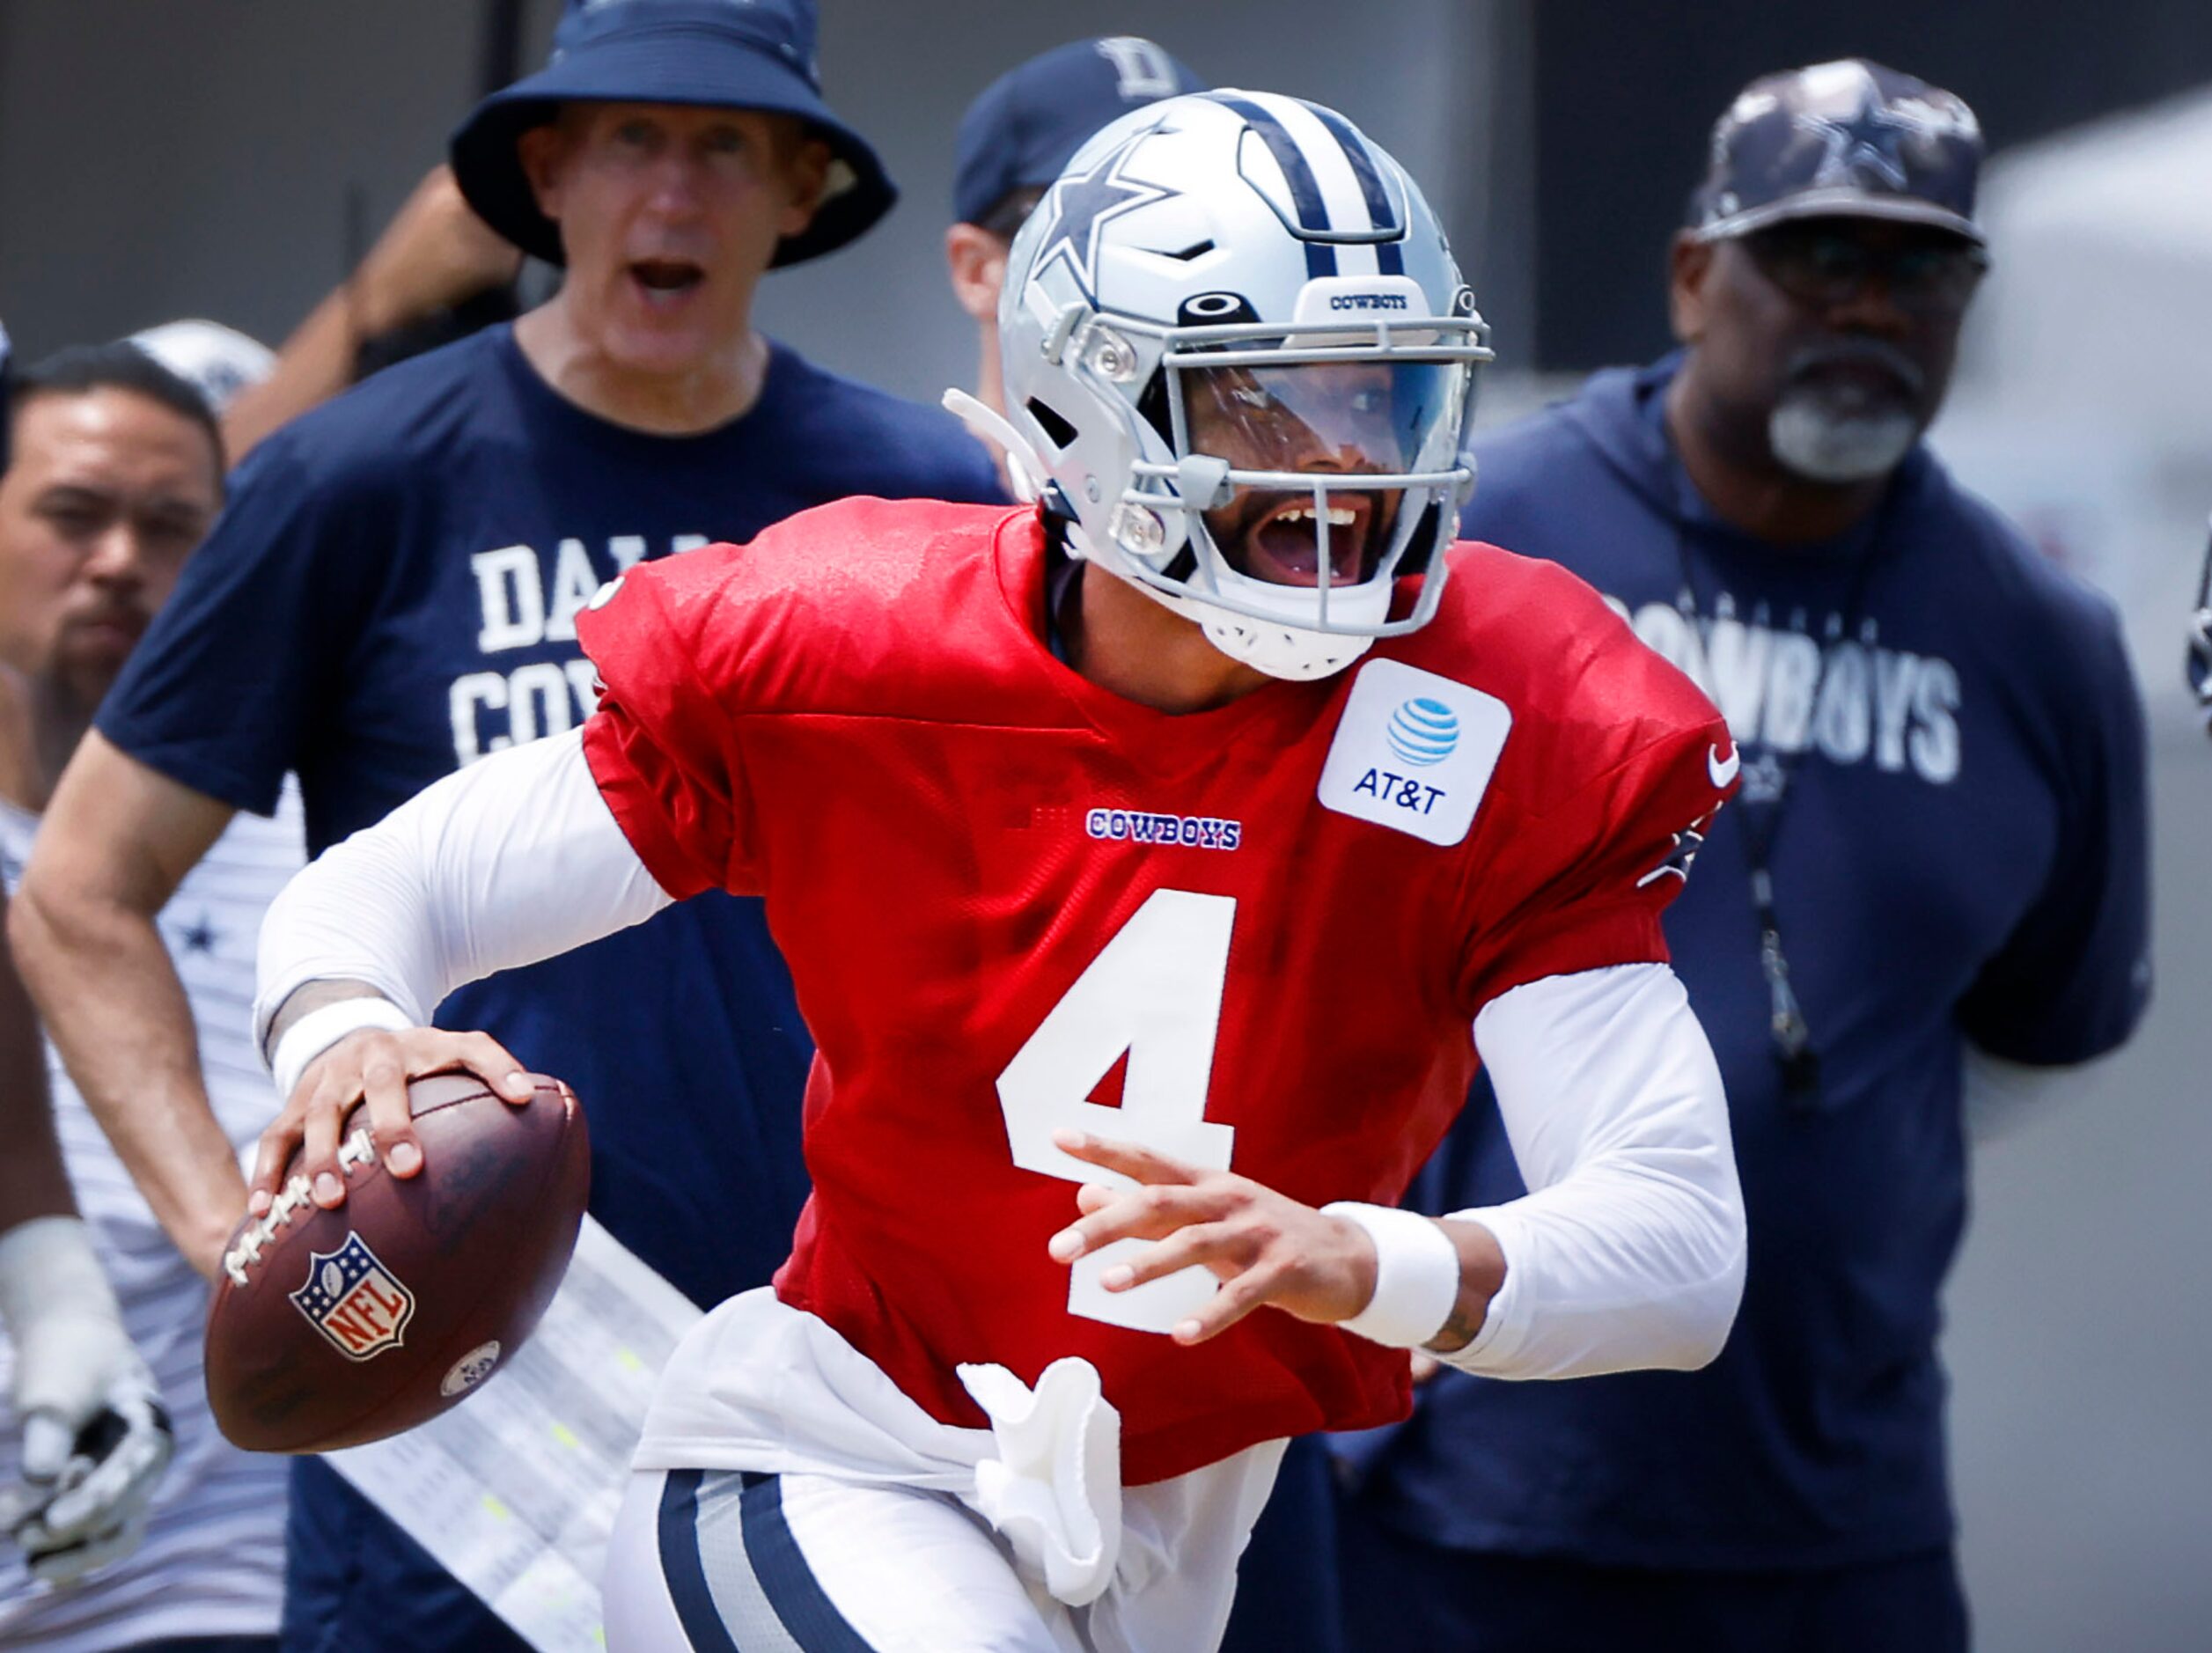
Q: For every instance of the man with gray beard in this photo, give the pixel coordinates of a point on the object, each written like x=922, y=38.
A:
x=1937, y=861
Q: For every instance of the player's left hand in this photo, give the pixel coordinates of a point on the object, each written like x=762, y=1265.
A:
x=1263, y=1246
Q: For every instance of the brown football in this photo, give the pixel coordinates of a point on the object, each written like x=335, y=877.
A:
x=332, y=1328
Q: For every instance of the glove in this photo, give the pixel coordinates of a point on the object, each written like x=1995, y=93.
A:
x=96, y=1438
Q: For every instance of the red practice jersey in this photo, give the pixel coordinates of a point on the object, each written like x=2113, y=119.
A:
x=1013, y=902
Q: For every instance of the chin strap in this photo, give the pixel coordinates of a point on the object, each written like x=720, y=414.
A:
x=1023, y=469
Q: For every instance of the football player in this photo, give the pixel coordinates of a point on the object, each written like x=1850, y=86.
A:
x=1144, y=858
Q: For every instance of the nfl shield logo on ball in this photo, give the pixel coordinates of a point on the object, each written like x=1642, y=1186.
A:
x=354, y=1300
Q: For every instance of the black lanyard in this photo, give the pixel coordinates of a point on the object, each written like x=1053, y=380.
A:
x=1793, y=1048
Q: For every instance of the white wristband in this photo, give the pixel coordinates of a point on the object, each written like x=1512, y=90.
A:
x=320, y=1029
x=1416, y=1274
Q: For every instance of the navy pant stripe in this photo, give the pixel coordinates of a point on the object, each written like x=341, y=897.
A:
x=681, y=1567
x=786, y=1579
x=1305, y=190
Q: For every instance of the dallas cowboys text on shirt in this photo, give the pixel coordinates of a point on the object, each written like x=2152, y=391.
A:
x=526, y=598
x=1788, y=687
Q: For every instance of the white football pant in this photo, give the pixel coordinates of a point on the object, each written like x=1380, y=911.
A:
x=730, y=1561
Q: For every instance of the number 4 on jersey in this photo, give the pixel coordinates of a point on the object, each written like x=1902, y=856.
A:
x=1155, y=991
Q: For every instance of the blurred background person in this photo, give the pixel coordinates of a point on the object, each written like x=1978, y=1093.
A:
x=1937, y=858
x=1019, y=132
x=117, y=474
x=392, y=592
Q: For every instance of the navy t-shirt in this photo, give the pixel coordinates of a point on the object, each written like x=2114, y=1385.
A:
x=1960, y=856
x=392, y=592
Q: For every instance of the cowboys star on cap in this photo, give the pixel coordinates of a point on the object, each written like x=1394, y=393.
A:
x=1862, y=147
x=1080, y=203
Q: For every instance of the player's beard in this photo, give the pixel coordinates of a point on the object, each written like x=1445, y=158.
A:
x=1848, y=411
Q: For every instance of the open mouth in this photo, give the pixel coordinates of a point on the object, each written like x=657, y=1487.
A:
x=664, y=280
x=1283, y=545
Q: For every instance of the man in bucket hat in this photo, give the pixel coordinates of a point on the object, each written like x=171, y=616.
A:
x=753, y=54
x=1936, y=863
x=392, y=593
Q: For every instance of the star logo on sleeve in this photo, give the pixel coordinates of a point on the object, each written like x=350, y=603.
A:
x=197, y=937
x=1682, y=854
x=1080, y=203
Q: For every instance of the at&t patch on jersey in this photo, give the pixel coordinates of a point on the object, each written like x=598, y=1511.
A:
x=354, y=1300
x=1414, y=752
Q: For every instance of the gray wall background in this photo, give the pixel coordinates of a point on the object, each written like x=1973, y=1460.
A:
x=170, y=157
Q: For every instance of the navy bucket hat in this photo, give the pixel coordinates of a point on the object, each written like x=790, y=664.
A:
x=714, y=54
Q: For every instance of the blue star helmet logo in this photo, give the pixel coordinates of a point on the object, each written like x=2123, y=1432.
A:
x=1862, y=148
x=1080, y=203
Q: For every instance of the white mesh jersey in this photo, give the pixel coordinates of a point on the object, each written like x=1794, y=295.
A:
x=213, y=1560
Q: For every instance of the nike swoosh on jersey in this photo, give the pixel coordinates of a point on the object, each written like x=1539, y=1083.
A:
x=1723, y=769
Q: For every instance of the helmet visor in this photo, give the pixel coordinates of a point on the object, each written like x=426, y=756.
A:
x=1349, y=417
x=1318, y=455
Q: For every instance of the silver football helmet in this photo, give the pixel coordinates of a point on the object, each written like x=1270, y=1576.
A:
x=1237, y=359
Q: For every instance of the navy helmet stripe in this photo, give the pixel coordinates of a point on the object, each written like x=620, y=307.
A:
x=1305, y=190
x=682, y=1569
x=1389, y=259
x=786, y=1579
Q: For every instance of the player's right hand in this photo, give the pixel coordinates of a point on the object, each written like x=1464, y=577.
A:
x=370, y=1065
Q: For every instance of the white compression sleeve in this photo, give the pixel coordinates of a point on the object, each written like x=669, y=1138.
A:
x=1627, y=1251
x=511, y=859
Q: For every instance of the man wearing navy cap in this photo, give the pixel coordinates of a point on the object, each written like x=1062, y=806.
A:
x=1014, y=139
x=1936, y=861
x=391, y=593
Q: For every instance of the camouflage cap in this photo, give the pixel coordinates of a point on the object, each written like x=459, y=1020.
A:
x=1846, y=139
